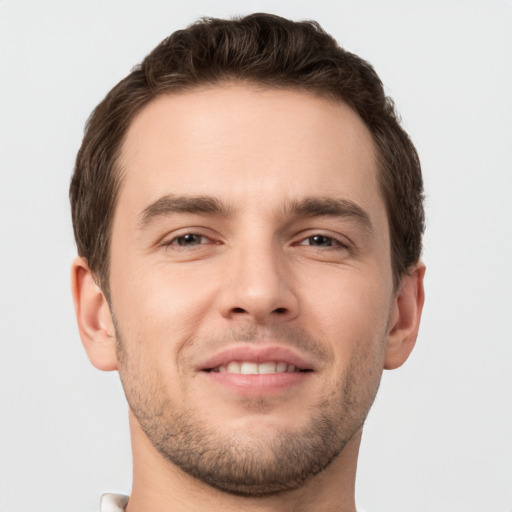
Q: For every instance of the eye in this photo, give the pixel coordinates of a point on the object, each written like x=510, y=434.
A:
x=322, y=241
x=189, y=240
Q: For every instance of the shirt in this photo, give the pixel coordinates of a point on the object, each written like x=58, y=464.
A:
x=113, y=502
x=117, y=503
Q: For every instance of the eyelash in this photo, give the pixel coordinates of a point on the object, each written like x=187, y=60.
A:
x=173, y=242
x=335, y=243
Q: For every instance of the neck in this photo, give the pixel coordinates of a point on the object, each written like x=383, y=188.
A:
x=160, y=486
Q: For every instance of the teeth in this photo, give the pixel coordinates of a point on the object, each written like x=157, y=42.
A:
x=249, y=368
x=233, y=367
x=281, y=367
x=267, y=368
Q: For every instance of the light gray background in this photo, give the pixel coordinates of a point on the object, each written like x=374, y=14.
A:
x=439, y=438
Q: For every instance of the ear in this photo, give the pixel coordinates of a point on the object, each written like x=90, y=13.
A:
x=405, y=318
x=93, y=316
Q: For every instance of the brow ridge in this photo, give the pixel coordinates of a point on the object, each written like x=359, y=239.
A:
x=202, y=204
x=170, y=203
x=331, y=207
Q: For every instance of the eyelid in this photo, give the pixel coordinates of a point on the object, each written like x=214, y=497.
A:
x=340, y=240
x=169, y=239
x=173, y=241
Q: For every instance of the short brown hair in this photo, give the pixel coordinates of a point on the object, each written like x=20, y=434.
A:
x=262, y=49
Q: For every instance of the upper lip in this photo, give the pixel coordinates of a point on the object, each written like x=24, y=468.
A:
x=255, y=354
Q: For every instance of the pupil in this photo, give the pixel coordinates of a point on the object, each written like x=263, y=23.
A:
x=321, y=240
x=187, y=240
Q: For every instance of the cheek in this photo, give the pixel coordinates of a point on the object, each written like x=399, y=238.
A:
x=158, y=313
x=354, y=323
x=161, y=306
x=350, y=311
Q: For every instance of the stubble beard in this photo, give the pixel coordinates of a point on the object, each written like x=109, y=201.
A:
x=251, y=466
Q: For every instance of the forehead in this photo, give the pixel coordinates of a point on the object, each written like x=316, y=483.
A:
x=244, y=143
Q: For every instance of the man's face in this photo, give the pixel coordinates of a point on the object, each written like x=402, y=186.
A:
x=251, y=283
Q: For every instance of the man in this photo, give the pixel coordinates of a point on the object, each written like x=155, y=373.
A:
x=248, y=215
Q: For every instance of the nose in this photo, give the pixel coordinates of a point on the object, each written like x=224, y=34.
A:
x=258, y=286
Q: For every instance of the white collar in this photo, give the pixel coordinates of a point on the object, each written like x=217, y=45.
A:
x=117, y=502
x=113, y=502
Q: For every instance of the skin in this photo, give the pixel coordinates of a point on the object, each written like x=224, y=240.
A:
x=254, y=275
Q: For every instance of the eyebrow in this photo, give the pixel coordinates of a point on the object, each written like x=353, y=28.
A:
x=306, y=207
x=330, y=207
x=169, y=204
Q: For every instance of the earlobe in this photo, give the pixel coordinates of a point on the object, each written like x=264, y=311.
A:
x=405, y=318
x=93, y=317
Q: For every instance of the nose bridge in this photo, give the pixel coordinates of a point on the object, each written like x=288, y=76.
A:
x=257, y=270
x=258, y=283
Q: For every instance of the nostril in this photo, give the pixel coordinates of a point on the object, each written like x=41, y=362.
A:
x=280, y=311
x=238, y=310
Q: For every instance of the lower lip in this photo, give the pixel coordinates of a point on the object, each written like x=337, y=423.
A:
x=264, y=384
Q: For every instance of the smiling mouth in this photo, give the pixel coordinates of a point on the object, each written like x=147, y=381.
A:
x=252, y=368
